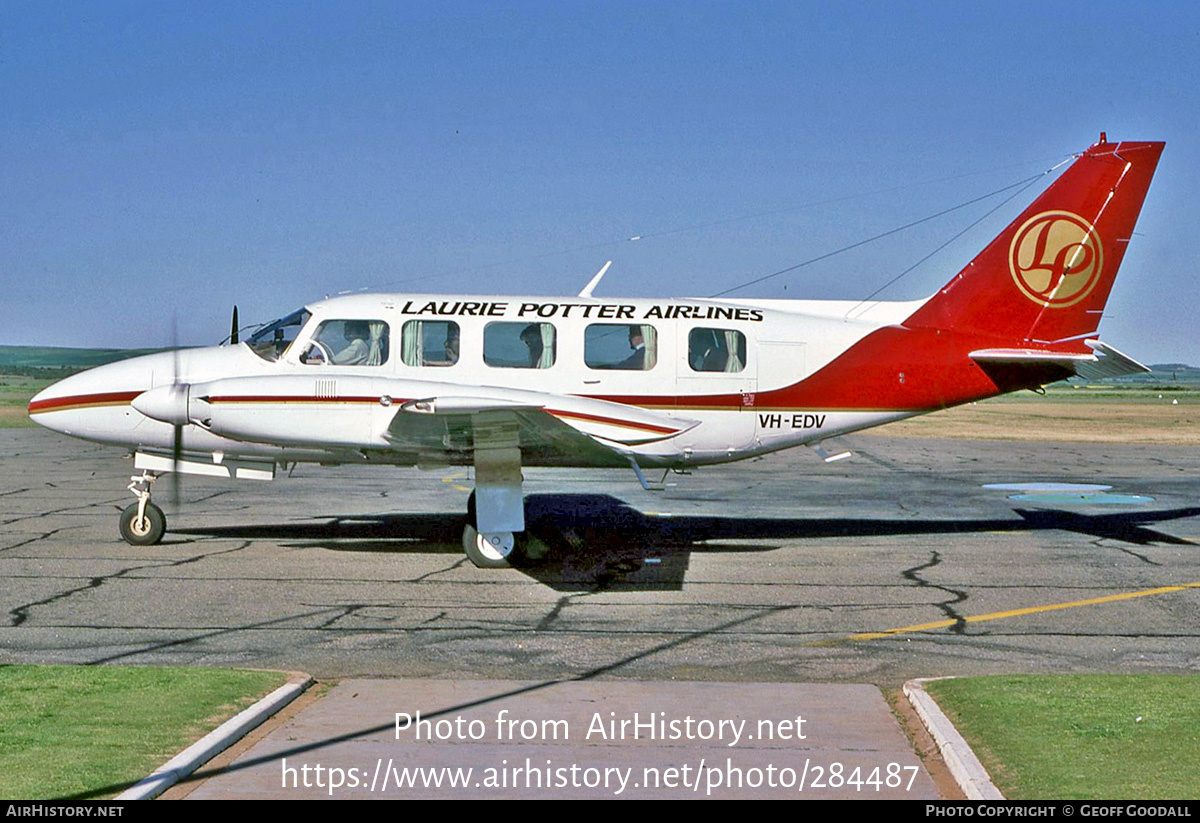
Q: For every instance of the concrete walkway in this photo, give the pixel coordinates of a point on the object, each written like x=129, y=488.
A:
x=597, y=739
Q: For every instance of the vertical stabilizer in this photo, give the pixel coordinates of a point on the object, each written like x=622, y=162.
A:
x=1045, y=279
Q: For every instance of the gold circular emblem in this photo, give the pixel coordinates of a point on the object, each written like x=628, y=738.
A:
x=1056, y=259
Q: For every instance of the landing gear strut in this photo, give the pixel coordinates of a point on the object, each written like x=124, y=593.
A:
x=142, y=523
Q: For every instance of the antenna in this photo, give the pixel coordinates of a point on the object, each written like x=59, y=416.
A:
x=595, y=281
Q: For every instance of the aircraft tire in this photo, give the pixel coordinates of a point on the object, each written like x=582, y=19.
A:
x=489, y=556
x=152, y=530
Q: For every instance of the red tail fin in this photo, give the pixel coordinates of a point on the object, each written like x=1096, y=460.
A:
x=1045, y=278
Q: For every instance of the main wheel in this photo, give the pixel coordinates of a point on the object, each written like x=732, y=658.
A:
x=146, y=532
x=496, y=550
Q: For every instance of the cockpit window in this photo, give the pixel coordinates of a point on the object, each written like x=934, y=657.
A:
x=273, y=339
x=348, y=343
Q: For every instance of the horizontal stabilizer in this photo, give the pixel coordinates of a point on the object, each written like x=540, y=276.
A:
x=1109, y=363
x=1103, y=361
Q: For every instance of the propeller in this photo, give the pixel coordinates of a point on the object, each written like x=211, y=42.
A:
x=177, y=440
x=233, y=329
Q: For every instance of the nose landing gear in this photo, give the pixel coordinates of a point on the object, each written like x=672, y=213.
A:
x=142, y=523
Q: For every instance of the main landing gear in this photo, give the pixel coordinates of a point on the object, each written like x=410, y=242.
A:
x=489, y=550
x=142, y=523
x=499, y=549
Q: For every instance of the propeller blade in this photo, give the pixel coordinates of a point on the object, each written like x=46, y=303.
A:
x=176, y=454
x=233, y=331
x=177, y=440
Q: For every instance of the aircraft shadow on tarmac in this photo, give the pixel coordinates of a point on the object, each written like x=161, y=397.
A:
x=599, y=540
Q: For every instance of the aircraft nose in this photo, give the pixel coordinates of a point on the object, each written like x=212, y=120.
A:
x=94, y=402
x=60, y=397
x=37, y=404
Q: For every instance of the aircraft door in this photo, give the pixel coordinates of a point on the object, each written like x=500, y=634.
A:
x=716, y=381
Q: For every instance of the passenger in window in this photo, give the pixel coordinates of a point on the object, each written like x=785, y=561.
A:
x=637, y=360
x=451, y=346
x=531, y=336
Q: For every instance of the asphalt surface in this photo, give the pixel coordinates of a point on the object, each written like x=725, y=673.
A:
x=759, y=571
x=782, y=571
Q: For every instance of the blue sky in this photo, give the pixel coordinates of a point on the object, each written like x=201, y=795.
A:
x=162, y=161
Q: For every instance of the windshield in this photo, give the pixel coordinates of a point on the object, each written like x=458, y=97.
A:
x=273, y=339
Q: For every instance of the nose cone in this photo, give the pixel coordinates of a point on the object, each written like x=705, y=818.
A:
x=88, y=404
x=40, y=403
x=60, y=406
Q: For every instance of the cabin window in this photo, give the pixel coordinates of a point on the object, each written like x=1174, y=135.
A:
x=716, y=350
x=429, y=343
x=347, y=343
x=627, y=347
x=519, y=345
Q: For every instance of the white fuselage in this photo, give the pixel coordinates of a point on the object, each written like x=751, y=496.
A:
x=693, y=397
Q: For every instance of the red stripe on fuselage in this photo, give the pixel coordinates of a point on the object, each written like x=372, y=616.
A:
x=80, y=401
x=614, y=421
x=270, y=398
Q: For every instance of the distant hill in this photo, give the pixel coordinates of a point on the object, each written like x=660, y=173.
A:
x=1163, y=374
x=49, y=361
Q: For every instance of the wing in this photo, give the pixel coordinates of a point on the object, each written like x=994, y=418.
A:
x=547, y=428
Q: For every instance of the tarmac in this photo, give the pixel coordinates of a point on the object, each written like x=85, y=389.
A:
x=783, y=574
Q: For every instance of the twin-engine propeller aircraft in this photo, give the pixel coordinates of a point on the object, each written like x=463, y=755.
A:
x=499, y=383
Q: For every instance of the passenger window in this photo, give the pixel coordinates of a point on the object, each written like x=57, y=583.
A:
x=429, y=343
x=620, y=346
x=519, y=345
x=348, y=343
x=720, y=350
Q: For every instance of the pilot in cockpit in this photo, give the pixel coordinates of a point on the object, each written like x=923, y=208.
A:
x=355, y=333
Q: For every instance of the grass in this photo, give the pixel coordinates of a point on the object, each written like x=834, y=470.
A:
x=1139, y=416
x=1076, y=737
x=67, y=730
x=15, y=393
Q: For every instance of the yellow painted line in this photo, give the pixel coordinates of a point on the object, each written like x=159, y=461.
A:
x=979, y=618
x=454, y=477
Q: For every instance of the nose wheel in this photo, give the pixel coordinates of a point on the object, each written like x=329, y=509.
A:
x=143, y=529
x=142, y=523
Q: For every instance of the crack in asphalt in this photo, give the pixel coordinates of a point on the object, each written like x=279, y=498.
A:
x=20, y=614
x=58, y=511
x=1099, y=544
x=421, y=578
x=947, y=606
x=34, y=539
